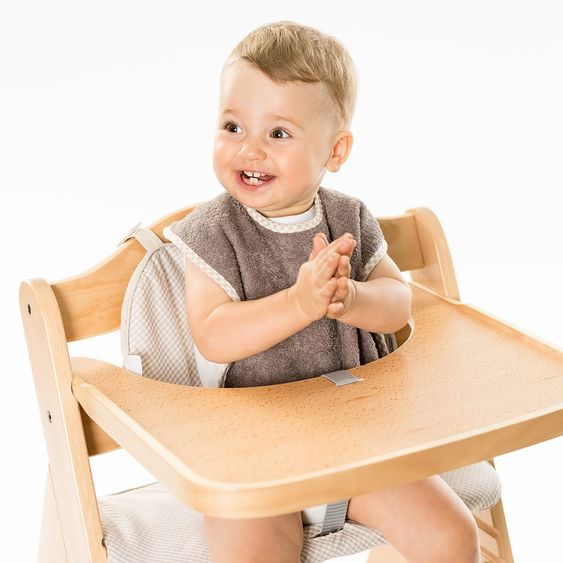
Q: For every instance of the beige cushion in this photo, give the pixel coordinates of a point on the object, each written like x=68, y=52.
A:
x=148, y=524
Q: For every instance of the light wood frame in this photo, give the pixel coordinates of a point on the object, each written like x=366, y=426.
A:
x=88, y=406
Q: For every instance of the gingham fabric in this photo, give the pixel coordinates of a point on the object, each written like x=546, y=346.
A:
x=154, y=327
x=149, y=525
x=203, y=266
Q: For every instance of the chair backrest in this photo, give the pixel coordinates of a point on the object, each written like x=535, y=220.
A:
x=90, y=304
x=416, y=243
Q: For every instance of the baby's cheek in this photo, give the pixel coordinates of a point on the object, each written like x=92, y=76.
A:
x=220, y=164
x=221, y=149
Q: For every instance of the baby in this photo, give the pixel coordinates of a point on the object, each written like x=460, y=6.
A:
x=287, y=280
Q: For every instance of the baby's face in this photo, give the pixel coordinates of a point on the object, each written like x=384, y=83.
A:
x=285, y=131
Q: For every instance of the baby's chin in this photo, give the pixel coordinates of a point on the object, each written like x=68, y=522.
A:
x=254, y=201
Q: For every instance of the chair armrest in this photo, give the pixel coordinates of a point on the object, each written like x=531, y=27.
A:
x=464, y=387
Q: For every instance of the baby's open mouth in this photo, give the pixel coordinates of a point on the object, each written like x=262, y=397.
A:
x=254, y=178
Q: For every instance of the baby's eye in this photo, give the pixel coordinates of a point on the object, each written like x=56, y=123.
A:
x=280, y=136
x=230, y=126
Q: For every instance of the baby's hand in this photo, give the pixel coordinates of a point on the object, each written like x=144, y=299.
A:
x=345, y=293
x=318, y=281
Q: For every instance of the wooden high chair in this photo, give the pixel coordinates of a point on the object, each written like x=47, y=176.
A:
x=463, y=387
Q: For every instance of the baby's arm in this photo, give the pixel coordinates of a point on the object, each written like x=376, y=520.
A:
x=380, y=304
x=225, y=331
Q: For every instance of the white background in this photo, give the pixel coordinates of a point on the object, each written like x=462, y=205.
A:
x=107, y=116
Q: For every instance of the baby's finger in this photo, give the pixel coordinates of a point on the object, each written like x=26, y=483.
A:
x=319, y=242
x=341, y=244
x=328, y=253
x=327, y=291
x=327, y=268
x=348, y=249
x=335, y=310
x=342, y=289
x=326, y=264
x=343, y=266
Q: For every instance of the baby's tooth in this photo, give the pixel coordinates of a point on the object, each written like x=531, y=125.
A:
x=252, y=174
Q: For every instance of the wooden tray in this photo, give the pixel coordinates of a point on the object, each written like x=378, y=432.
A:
x=464, y=387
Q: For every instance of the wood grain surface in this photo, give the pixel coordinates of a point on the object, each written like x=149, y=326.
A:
x=464, y=387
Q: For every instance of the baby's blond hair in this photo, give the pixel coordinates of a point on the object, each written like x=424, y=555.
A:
x=287, y=51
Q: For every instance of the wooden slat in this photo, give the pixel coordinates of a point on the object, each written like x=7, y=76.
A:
x=97, y=440
x=491, y=557
x=493, y=532
x=90, y=302
x=437, y=273
x=69, y=467
x=487, y=541
x=51, y=543
x=402, y=237
x=499, y=522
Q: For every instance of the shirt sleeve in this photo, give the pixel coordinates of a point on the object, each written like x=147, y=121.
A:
x=374, y=245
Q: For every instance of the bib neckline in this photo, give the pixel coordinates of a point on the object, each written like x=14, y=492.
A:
x=288, y=227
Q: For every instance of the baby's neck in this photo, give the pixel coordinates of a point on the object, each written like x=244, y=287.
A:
x=295, y=218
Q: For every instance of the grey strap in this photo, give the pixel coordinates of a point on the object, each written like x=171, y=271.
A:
x=341, y=377
x=335, y=517
x=129, y=234
x=146, y=237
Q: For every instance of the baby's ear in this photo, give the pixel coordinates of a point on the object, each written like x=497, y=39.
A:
x=340, y=150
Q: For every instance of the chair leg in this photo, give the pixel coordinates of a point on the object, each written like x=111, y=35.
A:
x=493, y=539
x=488, y=537
x=503, y=540
x=498, y=522
x=51, y=542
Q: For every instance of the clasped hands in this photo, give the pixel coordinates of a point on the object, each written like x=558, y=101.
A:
x=323, y=287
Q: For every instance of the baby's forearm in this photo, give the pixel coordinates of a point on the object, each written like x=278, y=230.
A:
x=241, y=329
x=381, y=305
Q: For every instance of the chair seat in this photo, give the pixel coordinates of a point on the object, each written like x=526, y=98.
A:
x=149, y=525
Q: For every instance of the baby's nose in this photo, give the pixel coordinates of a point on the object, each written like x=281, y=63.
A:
x=252, y=149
